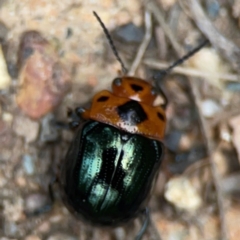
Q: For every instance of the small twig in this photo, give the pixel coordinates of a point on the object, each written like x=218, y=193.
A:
x=196, y=166
x=153, y=7
x=228, y=113
x=216, y=177
x=190, y=71
x=144, y=44
x=228, y=49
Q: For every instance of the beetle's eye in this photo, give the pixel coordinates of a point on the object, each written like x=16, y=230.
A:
x=154, y=91
x=117, y=81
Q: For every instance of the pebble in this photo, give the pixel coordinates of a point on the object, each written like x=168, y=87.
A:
x=21, y=181
x=181, y=193
x=36, y=202
x=208, y=61
x=209, y=108
x=5, y=79
x=130, y=33
x=213, y=8
x=233, y=86
x=13, y=210
x=28, y=164
x=48, y=132
x=44, y=80
x=120, y=233
x=27, y=128
x=7, y=117
x=172, y=140
x=10, y=229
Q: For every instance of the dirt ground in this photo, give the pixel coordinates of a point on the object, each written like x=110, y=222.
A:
x=197, y=194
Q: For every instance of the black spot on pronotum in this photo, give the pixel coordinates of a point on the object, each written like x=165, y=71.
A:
x=160, y=116
x=132, y=113
x=136, y=87
x=102, y=99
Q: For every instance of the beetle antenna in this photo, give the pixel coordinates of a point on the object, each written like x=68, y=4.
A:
x=124, y=70
x=163, y=73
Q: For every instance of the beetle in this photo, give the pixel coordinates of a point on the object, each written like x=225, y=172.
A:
x=115, y=156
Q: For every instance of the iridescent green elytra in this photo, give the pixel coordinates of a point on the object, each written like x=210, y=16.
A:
x=108, y=173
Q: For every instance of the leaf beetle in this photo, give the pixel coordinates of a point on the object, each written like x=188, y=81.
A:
x=115, y=156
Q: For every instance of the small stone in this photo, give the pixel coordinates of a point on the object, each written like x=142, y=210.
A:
x=7, y=117
x=130, y=33
x=233, y=86
x=182, y=194
x=120, y=233
x=5, y=79
x=225, y=132
x=208, y=61
x=27, y=128
x=213, y=8
x=10, y=229
x=13, y=210
x=44, y=80
x=21, y=181
x=44, y=227
x=28, y=164
x=37, y=202
x=209, y=108
x=167, y=4
x=48, y=132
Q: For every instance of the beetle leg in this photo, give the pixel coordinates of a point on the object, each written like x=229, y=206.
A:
x=82, y=112
x=145, y=224
x=73, y=125
x=48, y=207
x=48, y=203
x=67, y=126
x=50, y=188
x=74, y=121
